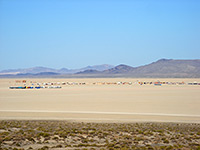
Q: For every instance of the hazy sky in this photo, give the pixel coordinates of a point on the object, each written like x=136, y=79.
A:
x=77, y=33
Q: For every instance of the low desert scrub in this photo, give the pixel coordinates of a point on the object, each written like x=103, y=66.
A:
x=122, y=136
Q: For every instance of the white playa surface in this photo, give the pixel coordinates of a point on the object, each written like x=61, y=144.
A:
x=99, y=103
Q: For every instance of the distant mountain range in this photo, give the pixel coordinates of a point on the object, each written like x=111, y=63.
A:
x=163, y=68
x=39, y=70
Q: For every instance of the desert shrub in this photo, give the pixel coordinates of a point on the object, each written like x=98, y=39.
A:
x=125, y=148
x=44, y=134
x=4, y=133
x=82, y=145
x=44, y=148
x=117, y=146
x=169, y=147
x=58, y=146
x=68, y=145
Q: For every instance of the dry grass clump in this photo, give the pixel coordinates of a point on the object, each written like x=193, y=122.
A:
x=44, y=135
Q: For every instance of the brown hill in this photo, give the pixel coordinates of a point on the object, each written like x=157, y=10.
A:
x=167, y=68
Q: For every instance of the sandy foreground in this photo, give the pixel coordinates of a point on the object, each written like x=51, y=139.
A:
x=102, y=103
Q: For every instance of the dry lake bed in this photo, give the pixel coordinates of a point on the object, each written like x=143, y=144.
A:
x=89, y=102
x=95, y=114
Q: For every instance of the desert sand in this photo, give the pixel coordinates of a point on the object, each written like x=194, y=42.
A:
x=102, y=103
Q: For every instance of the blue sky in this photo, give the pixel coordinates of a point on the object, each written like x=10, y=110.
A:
x=77, y=33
